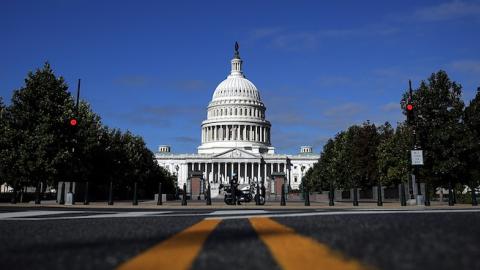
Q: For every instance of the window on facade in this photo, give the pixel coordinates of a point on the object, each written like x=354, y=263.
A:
x=295, y=179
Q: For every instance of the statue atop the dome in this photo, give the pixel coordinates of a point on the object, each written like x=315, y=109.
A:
x=237, y=54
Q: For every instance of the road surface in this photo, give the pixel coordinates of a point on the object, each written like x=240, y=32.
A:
x=85, y=238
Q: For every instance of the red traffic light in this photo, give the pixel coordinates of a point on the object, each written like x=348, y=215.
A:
x=73, y=122
x=409, y=107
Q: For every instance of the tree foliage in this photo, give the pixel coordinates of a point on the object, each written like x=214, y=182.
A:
x=471, y=141
x=38, y=144
x=393, y=157
x=438, y=117
x=350, y=159
x=444, y=129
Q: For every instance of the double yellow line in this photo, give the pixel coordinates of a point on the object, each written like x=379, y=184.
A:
x=290, y=250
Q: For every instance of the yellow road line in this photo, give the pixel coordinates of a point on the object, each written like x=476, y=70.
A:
x=293, y=251
x=177, y=252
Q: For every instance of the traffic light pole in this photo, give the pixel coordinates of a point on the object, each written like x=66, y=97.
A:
x=411, y=123
x=413, y=166
x=73, y=123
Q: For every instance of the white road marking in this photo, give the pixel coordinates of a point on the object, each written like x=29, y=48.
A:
x=112, y=215
x=238, y=212
x=221, y=214
x=9, y=215
x=149, y=213
x=356, y=212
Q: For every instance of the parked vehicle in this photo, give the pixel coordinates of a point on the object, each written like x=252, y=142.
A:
x=244, y=193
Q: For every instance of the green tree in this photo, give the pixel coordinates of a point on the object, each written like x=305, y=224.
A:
x=78, y=162
x=393, y=157
x=471, y=155
x=37, y=124
x=439, y=109
x=360, y=155
x=38, y=144
x=4, y=143
x=325, y=168
x=124, y=159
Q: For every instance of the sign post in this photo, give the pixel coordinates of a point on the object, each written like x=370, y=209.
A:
x=417, y=157
x=417, y=160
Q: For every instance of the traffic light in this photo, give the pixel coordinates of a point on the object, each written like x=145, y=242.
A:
x=409, y=106
x=410, y=114
x=73, y=122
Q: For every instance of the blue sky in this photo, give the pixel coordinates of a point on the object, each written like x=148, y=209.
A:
x=151, y=66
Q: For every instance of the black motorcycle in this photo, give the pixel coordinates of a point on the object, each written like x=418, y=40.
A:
x=244, y=193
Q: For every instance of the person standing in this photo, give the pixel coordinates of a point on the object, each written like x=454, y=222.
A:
x=233, y=187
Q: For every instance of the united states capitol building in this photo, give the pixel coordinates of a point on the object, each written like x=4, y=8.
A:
x=235, y=139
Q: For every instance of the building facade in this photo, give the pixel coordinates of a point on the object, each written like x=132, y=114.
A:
x=235, y=139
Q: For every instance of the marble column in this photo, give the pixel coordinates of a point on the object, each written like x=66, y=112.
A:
x=216, y=173
x=207, y=175
x=265, y=172
x=245, y=171
x=225, y=172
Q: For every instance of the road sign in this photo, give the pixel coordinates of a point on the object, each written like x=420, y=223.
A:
x=417, y=157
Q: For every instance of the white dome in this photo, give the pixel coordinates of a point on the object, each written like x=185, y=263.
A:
x=236, y=87
x=236, y=116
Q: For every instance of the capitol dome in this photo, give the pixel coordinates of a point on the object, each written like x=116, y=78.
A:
x=236, y=116
x=236, y=87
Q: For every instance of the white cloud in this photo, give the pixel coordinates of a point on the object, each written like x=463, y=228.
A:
x=134, y=81
x=391, y=107
x=448, y=11
x=335, y=80
x=347, y=109
x=190, y=85
x=286, y=39
x=470, y=66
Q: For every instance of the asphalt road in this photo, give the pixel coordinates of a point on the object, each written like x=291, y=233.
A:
x=107, y=238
